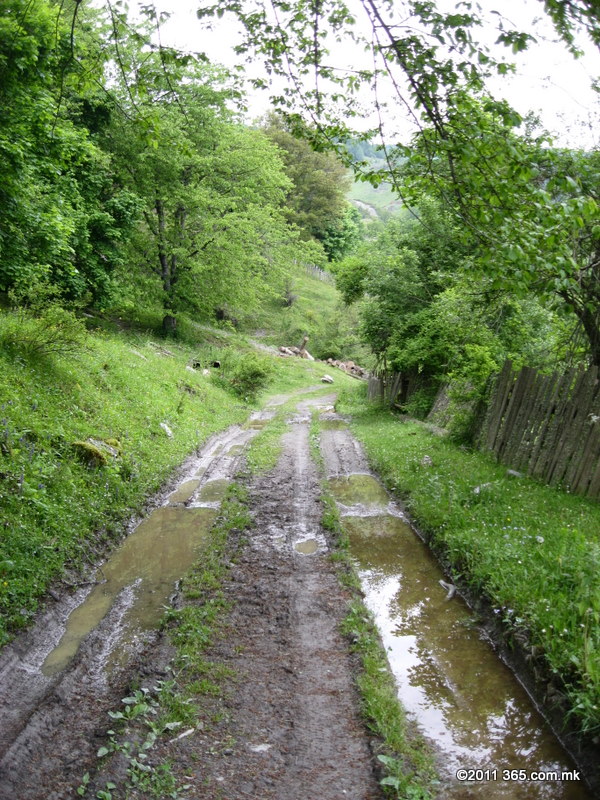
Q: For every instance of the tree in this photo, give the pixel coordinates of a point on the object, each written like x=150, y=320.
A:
x=459, y=144
x=61, y=218
x=212, y=232
x=428, y=317
x=316, y=199
x=530, y=211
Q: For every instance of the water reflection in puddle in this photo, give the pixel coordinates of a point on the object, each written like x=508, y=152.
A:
x=257, y=424
x=462, y=697
x=211, y=493
x=183, y=493
x=333, y=424
x=307, y=547
x=159, y=551
x=353, y=490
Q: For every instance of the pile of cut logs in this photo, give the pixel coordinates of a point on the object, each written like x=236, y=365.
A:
x=348, y=366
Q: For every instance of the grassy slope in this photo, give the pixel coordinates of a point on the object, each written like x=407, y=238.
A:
x=381, y=198
x=532, y=550
x=57, y=510
x=318, y=313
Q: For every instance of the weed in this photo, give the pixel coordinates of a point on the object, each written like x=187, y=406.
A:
x=264, y=450
x=532, y=550
x=246, y=374
x=408, y=763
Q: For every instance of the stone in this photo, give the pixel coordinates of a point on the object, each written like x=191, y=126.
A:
x=166, y=429
x=97, y=452
x=326, y=379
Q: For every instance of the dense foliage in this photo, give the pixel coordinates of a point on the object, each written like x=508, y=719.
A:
x=129, y=182
x=528, y=211
x=427, y=316
x=316, y=200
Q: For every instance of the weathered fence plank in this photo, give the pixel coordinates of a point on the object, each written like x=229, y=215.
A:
x=500, y=400
x=547, y=426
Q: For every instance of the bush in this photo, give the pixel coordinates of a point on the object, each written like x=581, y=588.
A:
x=420, y=401
x=246, y=374
x=40, y=323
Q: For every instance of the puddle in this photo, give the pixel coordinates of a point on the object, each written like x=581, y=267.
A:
x=211, y=492
x=184, y=492
x=379, y=525
x=462, y=697
x=307, y=547
x=363, y=490
x=257, y=424
x=160, y=550
x=333, y=424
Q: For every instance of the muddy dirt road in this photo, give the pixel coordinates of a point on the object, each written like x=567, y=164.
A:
x=293, y=720
x=285, y=724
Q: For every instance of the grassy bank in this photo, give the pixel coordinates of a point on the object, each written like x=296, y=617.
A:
x=316, y=309
x=63, y=497
x=533, y=551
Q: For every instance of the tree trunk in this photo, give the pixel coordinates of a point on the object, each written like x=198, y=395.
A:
x=590, y=325
x=169, y=325
x=165, y=272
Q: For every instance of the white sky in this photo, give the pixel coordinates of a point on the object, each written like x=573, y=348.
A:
x=549, y=80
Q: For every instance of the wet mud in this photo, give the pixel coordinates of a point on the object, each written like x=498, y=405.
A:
x=287, y=725
x=458, y=693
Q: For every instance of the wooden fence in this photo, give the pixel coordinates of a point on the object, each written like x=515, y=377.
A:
x=320, y=274
x=547, y=426
x=384, y=389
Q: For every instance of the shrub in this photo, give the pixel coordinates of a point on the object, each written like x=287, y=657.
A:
x=40, y=325
x=246, y=374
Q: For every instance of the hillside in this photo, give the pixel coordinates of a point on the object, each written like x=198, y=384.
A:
x=123, y=404
x=310, y=305
x=381, y=199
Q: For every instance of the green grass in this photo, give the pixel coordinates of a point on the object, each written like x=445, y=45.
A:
x=317, y=312
x=264, y=450
x=533, y=551
x=56, y=507
x=407, y=762
x=382, y=198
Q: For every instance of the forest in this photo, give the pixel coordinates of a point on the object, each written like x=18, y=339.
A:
x=131, y=183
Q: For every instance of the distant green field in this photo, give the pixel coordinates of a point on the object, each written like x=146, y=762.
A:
x=381, y=198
